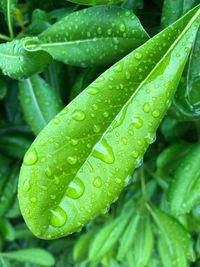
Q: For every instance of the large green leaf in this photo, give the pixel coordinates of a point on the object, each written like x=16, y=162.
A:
x=18, y=63
x=8, y=9
x=95, y=2
x=103, y=134
x=185, y=187
x=39, y=102
x=92, y=36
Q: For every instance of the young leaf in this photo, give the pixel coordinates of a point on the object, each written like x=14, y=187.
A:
x=103, y=134
x=19, y=63
x=7, y=230
x=3, y=88
x=107, y=238
x=143, y=243
x=9, y=190
x=8, y=9
x=128, y=237
x=173, y=233
x=184, y=190
x=100, y=35
x=31, y=255
x=39, y=102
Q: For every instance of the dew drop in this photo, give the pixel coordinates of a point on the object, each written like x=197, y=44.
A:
x=27, y=211
x=56, y=120
x=118, y=180
x=97, y=182
x=30, y=157
x=138, y=55
x=58, y=217
x=122, y=27
x=146, y=107
x=134, y=153
x=137, y=122
x=33, y=199
x=75, y=188
x=156, y=113
x=48, y=172
x=104, y=152
x=96, y=128
x=92, y=90
x=64, y=111
x=78, y=115
x=72, y=160
x=26, y=186
x=118, y=67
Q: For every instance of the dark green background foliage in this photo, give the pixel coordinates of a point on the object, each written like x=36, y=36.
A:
x=113, y=179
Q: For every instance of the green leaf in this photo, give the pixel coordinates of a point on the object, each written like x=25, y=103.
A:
x=8, y=10
x=177, y=240
x=171, y=256
x=100, y=35
x=101, y=141
x=186, y=103
x=95, y=2
x=184, y=190
x=107, y=237
x=40, y=21
x=7, y=230
x=14, y=145
x=143, y=243
x=9, y=190
x=19, y=63
x=32, y=255
x=128, y=237
x=3, y=88
x=39, y=102
x=80, y=251
x=173, y=10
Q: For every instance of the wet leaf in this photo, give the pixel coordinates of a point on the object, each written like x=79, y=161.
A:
x=101, y=141
x=100, y=35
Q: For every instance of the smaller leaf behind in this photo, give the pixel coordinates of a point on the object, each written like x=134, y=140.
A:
x=39, y=102
x=18, y=63
x=91, y=37
x=184, y=191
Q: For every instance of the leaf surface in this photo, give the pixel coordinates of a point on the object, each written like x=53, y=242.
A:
x=18, y=63
x=103, y=134
x=92, y=36
x=39, y=102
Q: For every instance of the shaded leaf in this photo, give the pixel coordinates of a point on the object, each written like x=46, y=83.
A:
x=39, y=102
x=91, y=40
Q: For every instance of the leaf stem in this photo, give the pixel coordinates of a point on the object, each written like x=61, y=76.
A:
x=158, y=179
x=143, y=182
x=10, y=28
x=4, y=37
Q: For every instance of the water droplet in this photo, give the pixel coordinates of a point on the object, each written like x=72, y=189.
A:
x=64, y=111
x=131, y=132
x=26, y=186
x=93, y=196
x=78, y=115
x=146, y=107
x=97, y=182
x=118, y=180
x=27, y=211
x=74, y=142
x=48, y=172
x=75, y=188
x=43, y=187
x=30, y=157
x=72, y=160
x=118, y=67
x=134, y=153
x=105, y=114
x=128, y=75
x=53, y=197
x=92, y=90
x=56, y=180
x=137, y=122
x=58, y=217
x=122, y=27
x=33, y=199
x=95, y=107
x=138, y=55
x=104, y=152
x=156, y=113
x=96, y=128
x=56, y=120
x=124, y=140
x=120, y=118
